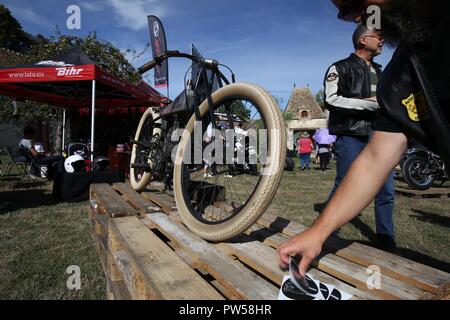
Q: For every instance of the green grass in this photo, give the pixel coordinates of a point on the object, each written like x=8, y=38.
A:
x=41, y=238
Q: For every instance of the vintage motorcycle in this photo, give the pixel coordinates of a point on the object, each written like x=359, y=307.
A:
x=216, y=199
x=421, y=168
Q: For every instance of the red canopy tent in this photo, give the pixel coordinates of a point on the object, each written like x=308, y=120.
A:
x=72, y=79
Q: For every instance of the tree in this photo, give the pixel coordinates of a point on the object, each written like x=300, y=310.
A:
x=101, y=52
x=238, y=109
x=12, y=36
x=320, y=98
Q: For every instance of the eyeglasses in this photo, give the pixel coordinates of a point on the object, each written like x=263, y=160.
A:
x=350, y=8
x=377, y=36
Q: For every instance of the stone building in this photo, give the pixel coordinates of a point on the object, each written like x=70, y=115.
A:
x=306, y=113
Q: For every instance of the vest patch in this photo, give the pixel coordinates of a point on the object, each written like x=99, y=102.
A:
x=416, y=106
x=332, y=76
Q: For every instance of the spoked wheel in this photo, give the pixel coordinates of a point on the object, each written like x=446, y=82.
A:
x=415, y=173
x=141, y=153
x=220, y=199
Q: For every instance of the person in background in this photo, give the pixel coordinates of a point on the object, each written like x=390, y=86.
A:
x=304, y=148
x=414, y=103
x=350, y=89
x=30, y=148
x=324, y=156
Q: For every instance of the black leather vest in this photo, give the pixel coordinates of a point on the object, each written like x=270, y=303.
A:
x=409, y=97
x=354, y=82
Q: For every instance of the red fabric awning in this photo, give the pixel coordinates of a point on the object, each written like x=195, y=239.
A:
x=66, y=81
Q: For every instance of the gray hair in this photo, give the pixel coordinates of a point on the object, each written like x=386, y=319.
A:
x=361, y=29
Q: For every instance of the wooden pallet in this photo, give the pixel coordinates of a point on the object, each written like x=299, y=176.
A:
x=147, y=253
x=434, y=192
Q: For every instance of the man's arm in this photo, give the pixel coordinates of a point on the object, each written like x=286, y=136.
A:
x=34, y=153
x=361, y=184
x=335, y=100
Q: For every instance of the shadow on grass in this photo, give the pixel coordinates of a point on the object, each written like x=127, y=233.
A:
x=15, y=182
x=14, y=200
x=319, y=207
x=431, y=218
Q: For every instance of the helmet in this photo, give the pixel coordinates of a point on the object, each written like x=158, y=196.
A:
x=74, y=163
x=101, y=163
x=39, y=147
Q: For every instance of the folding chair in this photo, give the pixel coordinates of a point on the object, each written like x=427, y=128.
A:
x=20, y=162
x=26, y=154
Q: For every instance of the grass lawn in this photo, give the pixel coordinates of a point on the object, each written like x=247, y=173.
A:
x=41, y=238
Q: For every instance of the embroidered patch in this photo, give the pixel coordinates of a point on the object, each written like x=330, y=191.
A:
x=332, y=76
x=416, y=106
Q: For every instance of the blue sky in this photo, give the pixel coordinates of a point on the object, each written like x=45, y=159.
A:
x=271, y=43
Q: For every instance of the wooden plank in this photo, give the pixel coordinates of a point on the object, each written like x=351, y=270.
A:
x=135, y=199
x=147, y=261
x=357, y=275
x=231, y=274
x=263, y=259
x=422, y=276
x=280, y=224
x=109, y=202
x=118, y=289
x=216, y=284
x=156, y=186
x=430, y=193
x=166, y=202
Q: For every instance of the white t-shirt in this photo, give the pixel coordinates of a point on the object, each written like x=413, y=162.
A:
x=240, y=137
x=26, y=144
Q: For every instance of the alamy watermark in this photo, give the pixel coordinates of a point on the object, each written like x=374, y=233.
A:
x=237, y=146
x=73, y=21
x=74, y=280
x=374, y=17
x=374, y=278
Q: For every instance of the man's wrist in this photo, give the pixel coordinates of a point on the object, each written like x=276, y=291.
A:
x=321, y=230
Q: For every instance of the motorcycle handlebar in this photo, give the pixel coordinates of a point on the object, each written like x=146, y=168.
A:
x=169, y=54
x=148, y=66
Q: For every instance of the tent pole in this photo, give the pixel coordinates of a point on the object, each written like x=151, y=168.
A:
x=92, y=123
x=63, y=129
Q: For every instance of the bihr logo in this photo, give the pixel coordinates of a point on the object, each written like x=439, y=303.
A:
x=68, y=71
x=156, y=29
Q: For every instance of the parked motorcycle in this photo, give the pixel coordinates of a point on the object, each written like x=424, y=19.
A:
x=216, y=199
x=421, y=168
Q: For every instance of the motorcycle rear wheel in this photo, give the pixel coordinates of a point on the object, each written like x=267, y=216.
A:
x=140, y=154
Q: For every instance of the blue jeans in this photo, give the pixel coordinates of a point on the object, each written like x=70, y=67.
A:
x=52, y=162
x=347, y=150
x=305, y=160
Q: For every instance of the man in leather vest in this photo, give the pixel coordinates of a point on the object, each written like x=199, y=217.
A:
x=414, y=97
x=350, y=89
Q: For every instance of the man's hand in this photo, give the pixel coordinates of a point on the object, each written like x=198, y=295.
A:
x=307, y=244
x=374, y=99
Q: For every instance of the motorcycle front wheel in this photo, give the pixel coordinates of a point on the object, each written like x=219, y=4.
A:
x=414, y=173
x=219, y=200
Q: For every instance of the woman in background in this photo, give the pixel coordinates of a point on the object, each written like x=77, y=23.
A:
x=304, y=148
